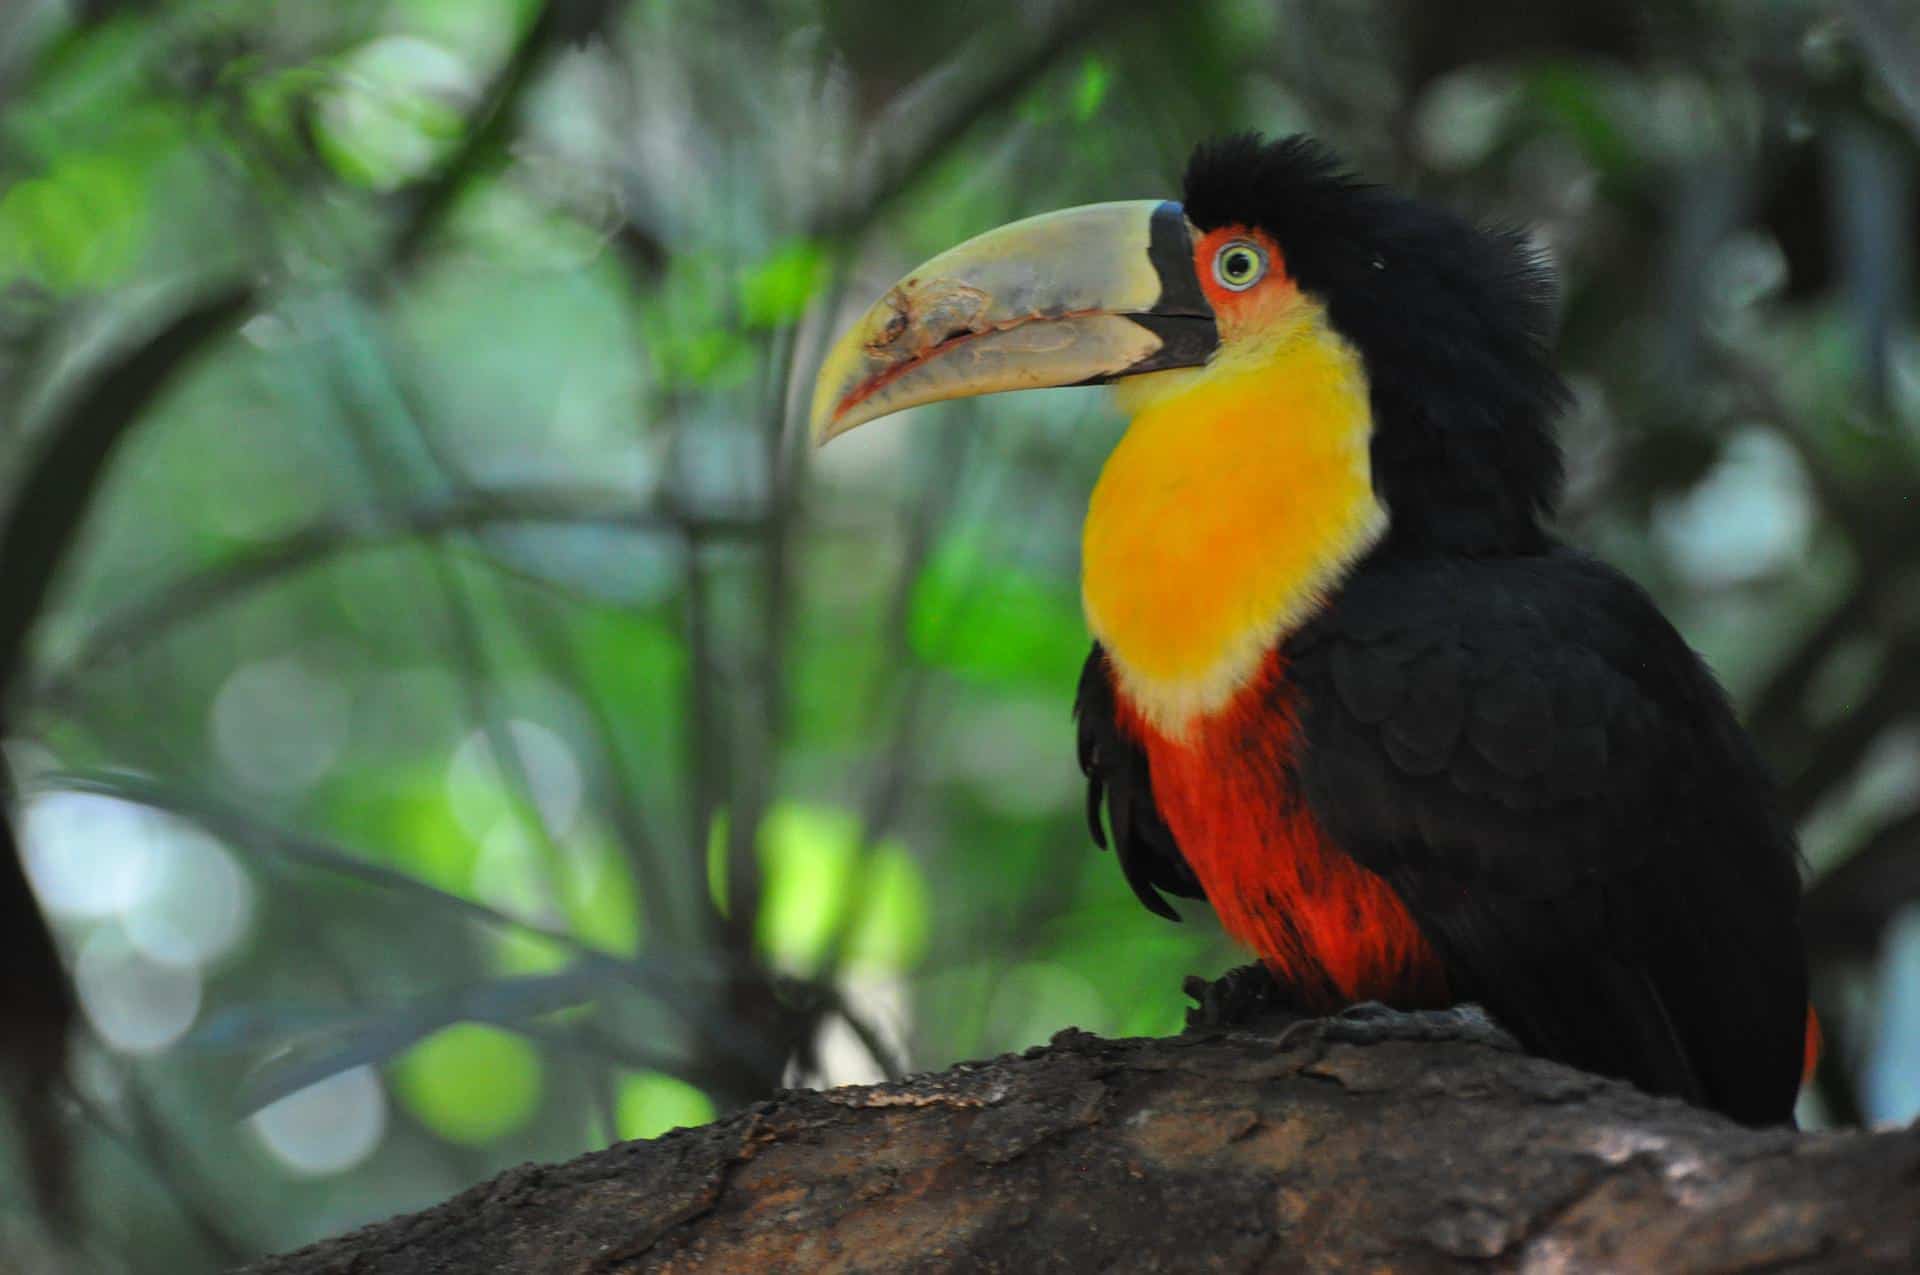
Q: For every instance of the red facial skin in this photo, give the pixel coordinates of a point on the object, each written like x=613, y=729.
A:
x=1235, y=310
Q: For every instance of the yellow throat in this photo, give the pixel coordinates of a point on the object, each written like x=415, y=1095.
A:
x=1238, y=496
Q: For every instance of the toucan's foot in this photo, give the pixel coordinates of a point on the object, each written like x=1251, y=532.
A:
x=1250, y=999
x=1371, y=1023
x=1245, y=998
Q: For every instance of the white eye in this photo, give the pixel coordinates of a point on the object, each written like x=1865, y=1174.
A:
x=1239, y=265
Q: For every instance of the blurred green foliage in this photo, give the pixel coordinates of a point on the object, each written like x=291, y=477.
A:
x=475, y=727
x=470, y=1083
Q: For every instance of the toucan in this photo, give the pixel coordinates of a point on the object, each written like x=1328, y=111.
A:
x=1346, y=684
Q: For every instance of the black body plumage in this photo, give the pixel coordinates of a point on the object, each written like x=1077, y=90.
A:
x=1508, y=732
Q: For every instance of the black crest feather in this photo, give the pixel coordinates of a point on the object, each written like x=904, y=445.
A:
x=1452, y=320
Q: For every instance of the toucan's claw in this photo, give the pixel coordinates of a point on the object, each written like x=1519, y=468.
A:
x=1243, y=999
x=1371, y=1023
x=1249, y=999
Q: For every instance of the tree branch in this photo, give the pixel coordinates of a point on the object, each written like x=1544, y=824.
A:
x=557, y=24
x=936, y=127
x=1218, y=1152
x=54, y=496
x=1882, y=40
x=153, y=615
x=50, y=505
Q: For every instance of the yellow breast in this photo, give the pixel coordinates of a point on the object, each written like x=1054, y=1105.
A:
x=1239, y=494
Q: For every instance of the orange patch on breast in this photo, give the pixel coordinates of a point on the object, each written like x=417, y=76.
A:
x=1330, y=930
x=1238, y=496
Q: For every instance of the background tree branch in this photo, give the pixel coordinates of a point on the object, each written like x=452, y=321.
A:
x=39, y=529
x=1215, y=1152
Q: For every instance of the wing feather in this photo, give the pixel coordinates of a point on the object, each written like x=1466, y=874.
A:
x=1116, y=769
x=1533, y=758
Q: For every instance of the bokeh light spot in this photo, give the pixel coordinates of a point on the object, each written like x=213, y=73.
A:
x=482, y=794
x=1890, y=1084
x=200, y=907
x=1752, y=515
x=89, y=856
x=328, y=1127
x=470, y=1083
x=137, y=1005
x=651, y=1102
x=278, y=726
x=808, y=857
x=393, y=110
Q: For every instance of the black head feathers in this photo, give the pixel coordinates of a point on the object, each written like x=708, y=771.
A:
x=1452, y=322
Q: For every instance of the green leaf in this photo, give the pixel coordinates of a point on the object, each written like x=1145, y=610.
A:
x=387, y=117
x=523, y=952
x=81, y=224
x=1575, y=97
x=689, y=331
x=1090, y=90
x=779, y=289
x=597, y=894
x=994, y=620
x=650, y=1103
x=717, y=833
x=275, y=98
x=405, y=818
x=470, y=1083
x=630, y=661
x=808, y=857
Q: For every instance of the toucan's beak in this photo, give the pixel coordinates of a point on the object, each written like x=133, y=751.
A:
x=1069, y=298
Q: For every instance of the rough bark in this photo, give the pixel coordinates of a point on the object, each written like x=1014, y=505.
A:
x=1224, y=1153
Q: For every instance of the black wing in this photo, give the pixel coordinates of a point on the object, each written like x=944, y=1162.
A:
x=1116, y=768
x=1556, y=786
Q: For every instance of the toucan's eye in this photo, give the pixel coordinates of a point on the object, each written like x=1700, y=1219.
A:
x=1239, y=265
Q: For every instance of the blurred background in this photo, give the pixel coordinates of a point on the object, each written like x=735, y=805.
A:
x=470, y=725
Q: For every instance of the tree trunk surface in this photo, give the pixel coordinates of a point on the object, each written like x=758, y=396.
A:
x=1216, y=1153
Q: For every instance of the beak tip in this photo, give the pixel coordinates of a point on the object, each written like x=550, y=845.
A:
x=827, y=421
x=829, y=427
x=823, y=417
x=841, y=372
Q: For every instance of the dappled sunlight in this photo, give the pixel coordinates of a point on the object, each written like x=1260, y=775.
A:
x=91, y=857
x=328, y=1127
x=480, y=791
x=470, y=1083
x=278, y=726
x=651, y=1103
x=162, y=892
x=138, y=1005
x=1751, y=515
